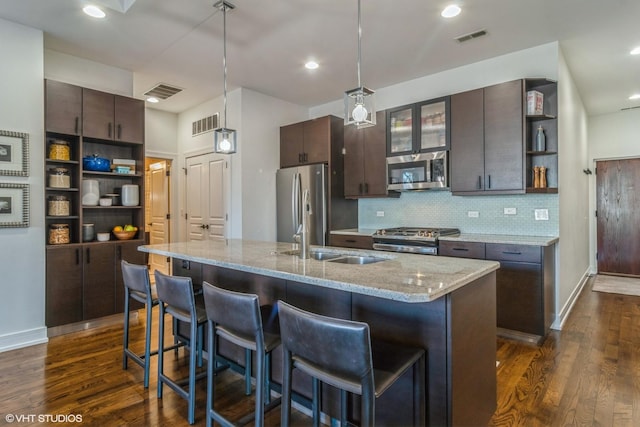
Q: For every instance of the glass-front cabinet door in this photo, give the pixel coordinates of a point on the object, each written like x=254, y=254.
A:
x=418, y=128
x=400, y=125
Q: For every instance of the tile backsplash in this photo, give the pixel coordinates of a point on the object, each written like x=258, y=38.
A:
x=471, y=214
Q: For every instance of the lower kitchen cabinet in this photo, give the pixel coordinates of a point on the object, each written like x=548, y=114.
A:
x=525, y=284
x=84, y=281
x=352, y=241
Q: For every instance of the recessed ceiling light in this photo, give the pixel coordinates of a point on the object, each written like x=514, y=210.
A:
x=451, y=11
x=311, y=65
x=152, y=99
x=635, y=51
x=94, y=11
x=635, y=96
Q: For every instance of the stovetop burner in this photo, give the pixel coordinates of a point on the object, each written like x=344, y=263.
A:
x=416, y=232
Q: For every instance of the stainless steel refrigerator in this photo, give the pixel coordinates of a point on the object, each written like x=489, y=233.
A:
x=290, y=184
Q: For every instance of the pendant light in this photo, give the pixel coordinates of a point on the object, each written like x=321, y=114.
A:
x=225, y=139
x=359, y=103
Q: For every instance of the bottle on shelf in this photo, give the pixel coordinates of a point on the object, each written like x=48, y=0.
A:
x=540, y=144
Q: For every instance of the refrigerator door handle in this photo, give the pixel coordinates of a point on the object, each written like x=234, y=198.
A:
x=295, y=200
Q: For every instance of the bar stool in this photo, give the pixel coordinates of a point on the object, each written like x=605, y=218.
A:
x=137, y=286
x=340, y=353
x=176, y=297
x=239, y=318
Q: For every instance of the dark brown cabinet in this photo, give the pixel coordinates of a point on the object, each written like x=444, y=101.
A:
x=352, y=241
x=365, y=163
x=64, y=285
x=99, y=297
x=112, y=117
x=487, y=140
x=63, y=108
x=525, y=285
x=305, y=142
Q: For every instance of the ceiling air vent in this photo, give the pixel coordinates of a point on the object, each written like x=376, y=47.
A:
x=162, y=91
x=471, y=36
x=206, y=124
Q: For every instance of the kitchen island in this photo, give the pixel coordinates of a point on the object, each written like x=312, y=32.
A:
x=445, y=305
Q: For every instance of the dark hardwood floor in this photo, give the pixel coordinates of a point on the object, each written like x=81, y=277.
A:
x=588, y=374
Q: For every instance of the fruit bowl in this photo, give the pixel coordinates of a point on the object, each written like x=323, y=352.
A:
x=124, y=235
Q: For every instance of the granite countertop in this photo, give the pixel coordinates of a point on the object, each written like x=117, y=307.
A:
x=502, y=238
x=400, y=277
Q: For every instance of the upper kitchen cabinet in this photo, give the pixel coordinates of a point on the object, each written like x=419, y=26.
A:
x=365, y=160
x=305, y=142
x=63, y=108
x=112, y=117
x=487, y=140
x=418, y=128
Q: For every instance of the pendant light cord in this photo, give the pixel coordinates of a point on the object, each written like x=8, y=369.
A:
x=224, y=58
x=359, y=42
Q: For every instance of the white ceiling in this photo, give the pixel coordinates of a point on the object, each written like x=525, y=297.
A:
x=179, y=42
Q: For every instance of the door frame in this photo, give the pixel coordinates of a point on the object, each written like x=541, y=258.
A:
x=183, y=236
x=593, y=203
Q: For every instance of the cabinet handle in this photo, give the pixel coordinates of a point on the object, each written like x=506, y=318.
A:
x=460, y=249
x=109, y=130
x=77, y=123
x=511, y=253
x=350, y=240
x=479, y=182
x=299, y=157
x=119, y=131
x=77, y=256
x=489, y=181
x=88, y=255
x=360, y=188
x=119, y=252
x=366, y=188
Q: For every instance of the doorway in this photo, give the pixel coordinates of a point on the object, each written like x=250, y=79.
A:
x=206, y=197
x=157, y=211
x=618, y=221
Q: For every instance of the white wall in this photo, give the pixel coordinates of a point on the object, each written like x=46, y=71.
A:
x=611, y=136
x=22, y=287
x=573, y=254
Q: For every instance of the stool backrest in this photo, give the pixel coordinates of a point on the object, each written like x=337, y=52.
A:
x=343, y=347
x=175, y=291
x=239, y=313
x=136, y=277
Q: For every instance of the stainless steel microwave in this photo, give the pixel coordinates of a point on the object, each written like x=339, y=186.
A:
x=420, y=171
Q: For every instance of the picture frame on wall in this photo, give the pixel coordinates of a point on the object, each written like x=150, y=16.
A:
x=14, y=153
x=14, y=205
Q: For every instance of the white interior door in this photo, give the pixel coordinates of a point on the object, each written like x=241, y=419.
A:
x=158, y=181
x=206, y=197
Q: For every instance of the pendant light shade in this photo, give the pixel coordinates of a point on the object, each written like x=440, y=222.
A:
x=225, y=140
x=359, y=103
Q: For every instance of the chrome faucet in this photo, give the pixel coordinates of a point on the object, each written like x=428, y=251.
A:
x=302, y=235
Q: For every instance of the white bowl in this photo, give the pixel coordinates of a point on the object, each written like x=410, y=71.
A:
x=103, y=237
x=105, y=202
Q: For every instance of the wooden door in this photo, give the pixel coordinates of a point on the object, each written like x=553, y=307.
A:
x=158, y=211
x=64, y=285
x=63, y=108
x=291, y=138
x=374, y=156
x=467, y=141
x=353, y=161
x=618, y=222
x=317, y=135
x=207, y=181
x=129, y=119
x=97, y=114
x=99, y=298
x=504, y=137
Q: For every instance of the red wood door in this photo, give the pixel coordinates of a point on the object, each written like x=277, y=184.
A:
x=618, y=222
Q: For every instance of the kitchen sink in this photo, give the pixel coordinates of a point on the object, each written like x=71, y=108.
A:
x=354, y=259
x=317, y=255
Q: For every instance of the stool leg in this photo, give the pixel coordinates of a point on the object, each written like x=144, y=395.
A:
x=211, y=366
x=285, y=414
x=315, y=404
x=267, y=378
x=343, y=408
x=260, y=373
x=125, y=344
x=147, y=344
x=247, y=372
x=161, y=352
x=192, y=372
x=368, y=404
x=200, y=343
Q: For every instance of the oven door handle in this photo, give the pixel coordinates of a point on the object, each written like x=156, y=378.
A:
x=425, y=250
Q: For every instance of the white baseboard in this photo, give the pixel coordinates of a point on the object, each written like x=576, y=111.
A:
x=564, y=313
x=23, y=339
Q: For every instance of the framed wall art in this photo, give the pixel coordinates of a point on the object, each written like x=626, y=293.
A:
x=14, y=205
x=14, y=153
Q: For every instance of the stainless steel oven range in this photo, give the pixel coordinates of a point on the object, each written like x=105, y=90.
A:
x=417, y=240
